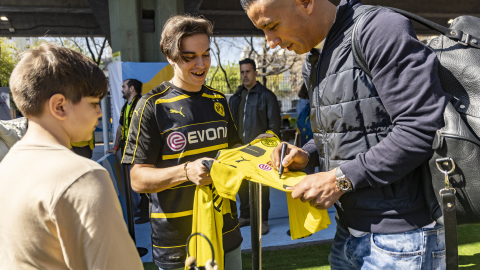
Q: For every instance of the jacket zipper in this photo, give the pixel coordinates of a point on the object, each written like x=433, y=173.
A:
x=244, y=112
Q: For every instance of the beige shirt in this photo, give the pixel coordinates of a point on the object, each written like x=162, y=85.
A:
x=60, y=211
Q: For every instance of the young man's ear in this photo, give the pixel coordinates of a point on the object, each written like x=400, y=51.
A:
x=171, y=62
x=56, y=106
x=307, y=5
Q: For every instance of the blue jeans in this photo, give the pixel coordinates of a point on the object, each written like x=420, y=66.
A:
x=417, y=249
x=233, y=260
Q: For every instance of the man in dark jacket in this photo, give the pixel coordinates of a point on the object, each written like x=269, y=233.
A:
x=255, y=110
x=131, y=92
x=371, y=134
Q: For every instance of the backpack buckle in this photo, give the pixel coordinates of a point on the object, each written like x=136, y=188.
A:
x=446, y=162
x=466, y=41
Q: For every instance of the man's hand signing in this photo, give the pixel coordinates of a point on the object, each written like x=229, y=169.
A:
x=319, y=189
x=295, y=158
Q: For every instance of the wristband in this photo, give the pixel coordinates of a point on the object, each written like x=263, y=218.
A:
x=116, y=148
x=185, y=169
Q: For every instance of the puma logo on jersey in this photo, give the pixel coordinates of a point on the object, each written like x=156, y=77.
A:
x=179, y=112
x=136, y=111
x=240, y=160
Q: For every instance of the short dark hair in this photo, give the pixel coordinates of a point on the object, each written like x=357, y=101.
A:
x=303, y=93
x=137, y=85
x=179, y=27
x=249, y=61
x=246, y=3
x=50, y=69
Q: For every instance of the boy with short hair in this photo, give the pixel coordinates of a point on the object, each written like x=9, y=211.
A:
x=62, y=211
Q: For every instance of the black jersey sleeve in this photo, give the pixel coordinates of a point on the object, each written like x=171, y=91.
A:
x=144, y=144
x=233, y=137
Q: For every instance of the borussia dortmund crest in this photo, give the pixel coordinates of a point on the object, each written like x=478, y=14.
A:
x=269, y=142
x=219, y=108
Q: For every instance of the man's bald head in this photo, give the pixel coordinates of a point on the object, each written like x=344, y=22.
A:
x=247, y=3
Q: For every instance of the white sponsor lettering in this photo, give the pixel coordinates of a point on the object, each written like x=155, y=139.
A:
x=192, y=137
x=201, y=135
x=209, y=135
x=224, y=130
x=209, y=131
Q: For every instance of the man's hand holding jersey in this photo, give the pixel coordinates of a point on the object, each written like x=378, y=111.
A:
x=148, y=179
x=197, y=173
x=319, y=189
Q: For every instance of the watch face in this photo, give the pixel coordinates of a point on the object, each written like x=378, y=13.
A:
x=343, y=184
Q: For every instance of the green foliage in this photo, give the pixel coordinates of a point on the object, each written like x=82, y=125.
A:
x=8, y=60
x=219, y=83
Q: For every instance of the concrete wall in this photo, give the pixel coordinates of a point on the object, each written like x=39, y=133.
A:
x=135, y=32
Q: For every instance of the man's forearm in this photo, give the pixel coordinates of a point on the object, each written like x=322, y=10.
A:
x=118, y=136
x=147, y=179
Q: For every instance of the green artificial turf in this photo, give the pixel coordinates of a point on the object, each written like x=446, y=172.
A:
x=316, y=257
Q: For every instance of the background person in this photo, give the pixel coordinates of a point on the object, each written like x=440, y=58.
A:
x=303, y=117
x=11, y=131
x=84, y=148
x=131, y=92
x=63, y=210
x=371, y=133
x=255, y=110
x=182, y=123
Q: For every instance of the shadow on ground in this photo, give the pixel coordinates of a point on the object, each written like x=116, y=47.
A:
x=469, y=246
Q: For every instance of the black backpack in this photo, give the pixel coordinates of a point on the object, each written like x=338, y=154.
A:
x=451, y=178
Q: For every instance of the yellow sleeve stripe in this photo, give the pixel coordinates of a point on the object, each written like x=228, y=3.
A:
x=172, y=215
x=193, y=125
x=170, y=100
x=231, y=229
x=233, y=121
x=211, y=96
x=139, y=125
x=182, y=186
x=170, y=247
x=196, y=151
x=210, y=88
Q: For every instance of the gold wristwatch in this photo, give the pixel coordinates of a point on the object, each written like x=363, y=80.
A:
x=343, y=183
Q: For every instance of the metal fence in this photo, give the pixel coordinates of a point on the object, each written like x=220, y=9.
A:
x=284, y=86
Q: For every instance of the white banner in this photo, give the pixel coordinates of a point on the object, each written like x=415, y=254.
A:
x=116, y=81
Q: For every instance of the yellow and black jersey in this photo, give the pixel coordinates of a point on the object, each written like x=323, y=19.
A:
x=252, y=162
x=169, y=127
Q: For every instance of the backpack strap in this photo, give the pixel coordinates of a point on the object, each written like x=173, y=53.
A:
x=450, y=224
x=454, y=34
x=357, y=52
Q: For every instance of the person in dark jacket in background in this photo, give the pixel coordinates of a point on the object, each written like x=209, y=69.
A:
x=302, y=99
x=131, y=92
x=371, y=134
x=255, y=110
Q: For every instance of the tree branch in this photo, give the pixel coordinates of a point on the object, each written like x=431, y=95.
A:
x=90, y=50
x=213, y=76
x=101, y=51
x=220, y=64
